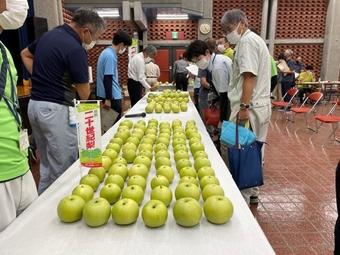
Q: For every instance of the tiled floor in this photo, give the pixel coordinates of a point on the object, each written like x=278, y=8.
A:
x=297, y=208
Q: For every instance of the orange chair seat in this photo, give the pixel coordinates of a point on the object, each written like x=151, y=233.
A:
x=300, y=110
x=280, y=103
x=327, y=118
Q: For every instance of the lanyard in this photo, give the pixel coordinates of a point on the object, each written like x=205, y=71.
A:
x=213, y=60
x=12, y=103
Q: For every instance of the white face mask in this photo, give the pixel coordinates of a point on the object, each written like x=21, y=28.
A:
x=121, y=51
x=203, y=63
x=234, y=36
x=147, y=60
x=221, y=48
x=89, y=46
x=14, y=15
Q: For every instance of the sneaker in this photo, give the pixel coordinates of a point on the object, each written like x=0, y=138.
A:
x=254, y=199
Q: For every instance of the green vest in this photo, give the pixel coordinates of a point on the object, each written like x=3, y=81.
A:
x=273, y=65
x=229, y=53
x=13, y=162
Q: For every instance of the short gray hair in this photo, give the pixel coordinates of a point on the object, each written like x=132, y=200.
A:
x=233, y=17
x=150, y=50
x=87, y=17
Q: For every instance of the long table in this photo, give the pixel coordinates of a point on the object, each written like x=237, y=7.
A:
x=328, y=88
x=38, y=230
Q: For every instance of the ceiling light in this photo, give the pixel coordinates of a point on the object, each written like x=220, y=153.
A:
x=172, y=16
x=108, y=13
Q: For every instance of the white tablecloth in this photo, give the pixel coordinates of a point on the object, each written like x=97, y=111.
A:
x=38, y=230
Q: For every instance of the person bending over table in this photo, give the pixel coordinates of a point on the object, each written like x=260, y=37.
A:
x=60, y=73
x=249, y=89
x=137, y=75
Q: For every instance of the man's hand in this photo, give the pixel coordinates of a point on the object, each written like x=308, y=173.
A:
x=107, y=104
x=243, y=115
x=27, y=58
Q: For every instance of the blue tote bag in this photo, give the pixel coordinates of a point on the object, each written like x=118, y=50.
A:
x=245, y=136
x=245, y=161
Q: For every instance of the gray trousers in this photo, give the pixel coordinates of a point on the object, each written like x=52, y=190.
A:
x=15, y=196
x=56, y=140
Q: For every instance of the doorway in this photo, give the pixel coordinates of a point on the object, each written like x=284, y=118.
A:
x=165, y=59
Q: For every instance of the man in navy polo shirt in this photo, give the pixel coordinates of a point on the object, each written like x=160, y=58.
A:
x=108, y=88
x=59, y=68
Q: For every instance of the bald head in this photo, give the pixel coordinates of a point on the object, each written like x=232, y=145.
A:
x=288, y=54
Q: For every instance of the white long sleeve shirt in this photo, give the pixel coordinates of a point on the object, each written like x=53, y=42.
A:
x=136, y=70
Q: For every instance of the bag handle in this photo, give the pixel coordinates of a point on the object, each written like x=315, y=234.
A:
x=236, y=138
x=236, y=133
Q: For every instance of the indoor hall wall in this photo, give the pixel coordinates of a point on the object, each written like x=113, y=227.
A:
x=158, y=28
x=252, y=8
x=303, y=19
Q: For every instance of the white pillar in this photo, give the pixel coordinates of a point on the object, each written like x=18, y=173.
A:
x=272, y=29
x=206, y=19
x=264, y=19
x=330, y=69
x=51, y=10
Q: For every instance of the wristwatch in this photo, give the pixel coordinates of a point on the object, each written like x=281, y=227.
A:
x=244, y=106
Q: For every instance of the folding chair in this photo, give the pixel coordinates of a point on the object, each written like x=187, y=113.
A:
x=330, y=119
x=313, y=97
x=292, y=92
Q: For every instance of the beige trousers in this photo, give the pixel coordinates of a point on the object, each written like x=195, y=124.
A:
x=15, y=196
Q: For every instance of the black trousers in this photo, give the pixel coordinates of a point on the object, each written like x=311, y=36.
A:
x=116, y=105
x=224, y=107
x=337, y=224
x=273, y=83
x=181, y=81
x=285, y=86
x=196, y=93
x=135, y=89
x=302, y=92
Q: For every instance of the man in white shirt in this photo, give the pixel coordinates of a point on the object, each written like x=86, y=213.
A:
x=249, y=90
x=136, y=73
x=220, y=67
x=152, y=73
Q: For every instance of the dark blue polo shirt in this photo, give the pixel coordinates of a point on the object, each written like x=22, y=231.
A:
x=59, y=62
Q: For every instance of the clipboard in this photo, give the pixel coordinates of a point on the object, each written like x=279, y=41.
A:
x=108, y=118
